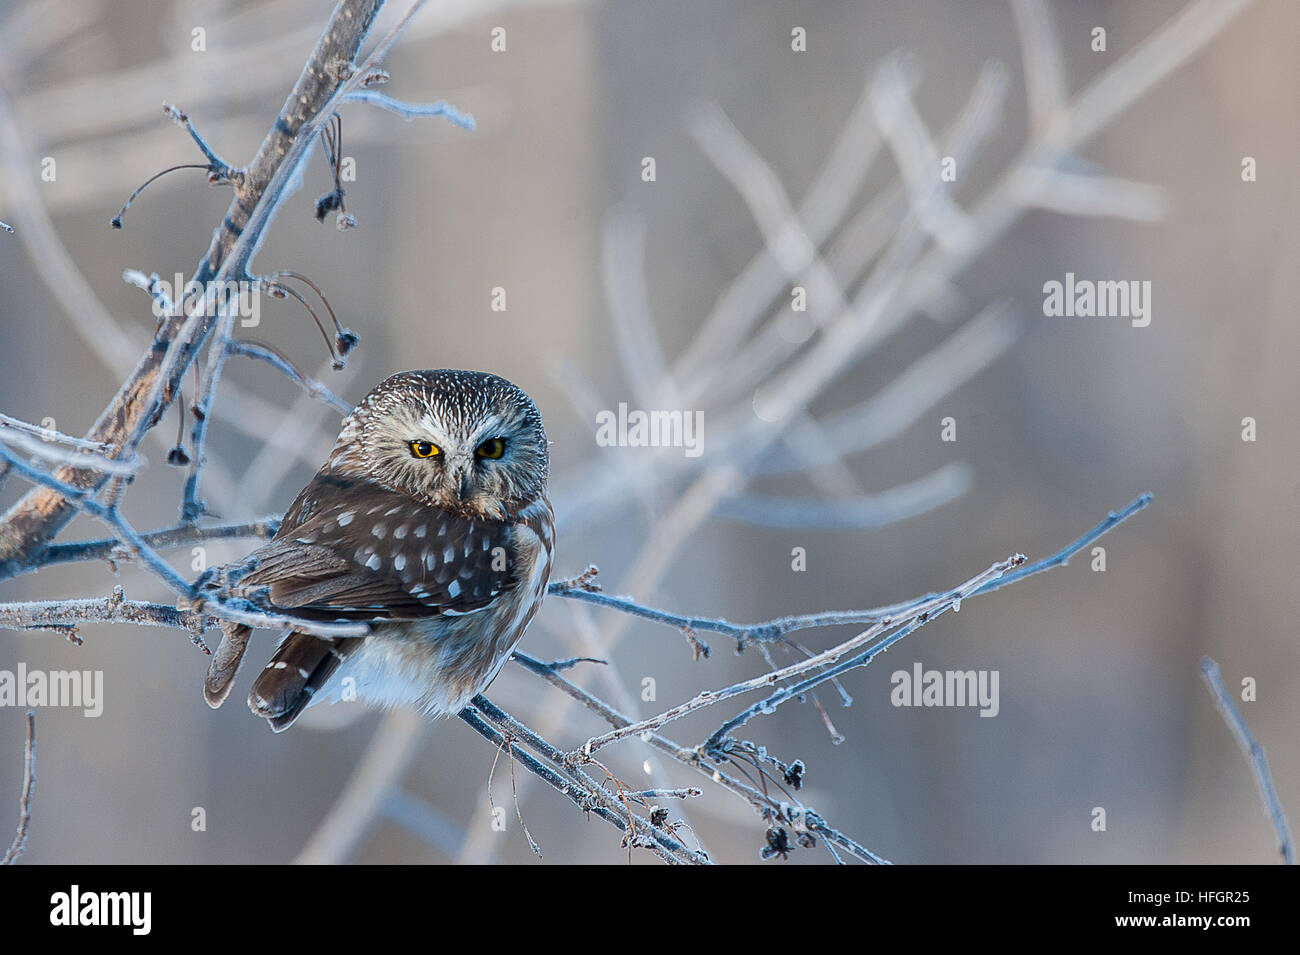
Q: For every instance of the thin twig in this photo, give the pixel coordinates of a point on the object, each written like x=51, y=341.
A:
x=49, y=434
x=1254, y=752
x=69, y=614
x=921, y=612
x=19, y=845
x=493, y=724
x=178, y=536
x=410, y=111
x=74, y=457
x=692, y=759
x=33, y=521
x=1040, y=51
x=191, y=507
x=291, y=371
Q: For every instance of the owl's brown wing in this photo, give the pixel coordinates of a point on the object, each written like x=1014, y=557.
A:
x=354, y=550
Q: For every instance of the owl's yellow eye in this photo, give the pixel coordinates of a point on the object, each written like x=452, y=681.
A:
x=424, y=449
x=491, y=448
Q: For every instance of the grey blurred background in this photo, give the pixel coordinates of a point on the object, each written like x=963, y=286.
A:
x=1101, y=700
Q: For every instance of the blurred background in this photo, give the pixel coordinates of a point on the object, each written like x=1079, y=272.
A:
x=822, y=428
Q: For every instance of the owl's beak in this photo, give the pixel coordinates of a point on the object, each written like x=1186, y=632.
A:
x=462, y=486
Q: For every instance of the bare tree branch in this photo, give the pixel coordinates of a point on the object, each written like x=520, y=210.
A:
x=1254, y=752
x=65, y=616
x=920, y=613
x=179, y=536
x=1044, y=66
x=32, y=522
x=19, y=845
x=291, y=371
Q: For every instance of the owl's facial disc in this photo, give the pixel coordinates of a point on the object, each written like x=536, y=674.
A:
x=465, y=441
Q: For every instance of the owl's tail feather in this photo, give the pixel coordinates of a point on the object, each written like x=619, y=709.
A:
x=299, y=668
x=225, y=663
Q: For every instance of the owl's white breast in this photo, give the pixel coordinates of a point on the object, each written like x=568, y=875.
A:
x=439, y=664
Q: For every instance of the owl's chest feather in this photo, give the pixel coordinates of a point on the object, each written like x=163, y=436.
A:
x=439, y=664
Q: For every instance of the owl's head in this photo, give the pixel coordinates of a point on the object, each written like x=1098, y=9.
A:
x=466, y=441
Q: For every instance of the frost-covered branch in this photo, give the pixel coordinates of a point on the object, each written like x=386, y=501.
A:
x=32, y=523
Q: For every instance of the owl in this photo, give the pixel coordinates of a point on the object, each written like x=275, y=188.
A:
x=430, y=522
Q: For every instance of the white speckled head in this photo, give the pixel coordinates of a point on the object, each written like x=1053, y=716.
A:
x=467, y=441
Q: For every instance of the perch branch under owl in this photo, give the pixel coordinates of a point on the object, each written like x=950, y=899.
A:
x=889, y=624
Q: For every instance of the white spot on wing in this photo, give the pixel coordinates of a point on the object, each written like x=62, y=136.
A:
x=462, y=613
